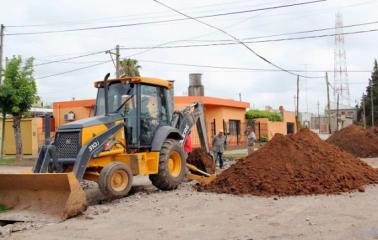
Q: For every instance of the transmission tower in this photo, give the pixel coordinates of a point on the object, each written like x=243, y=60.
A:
x=340, y=74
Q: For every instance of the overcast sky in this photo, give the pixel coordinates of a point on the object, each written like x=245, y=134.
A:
x=258, y=88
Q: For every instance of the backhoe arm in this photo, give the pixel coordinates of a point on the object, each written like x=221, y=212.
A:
x=188, y=117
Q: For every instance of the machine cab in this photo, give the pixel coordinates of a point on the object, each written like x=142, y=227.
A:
x=145, y=104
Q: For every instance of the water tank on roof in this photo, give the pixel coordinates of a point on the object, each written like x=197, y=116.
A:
x=195, y=85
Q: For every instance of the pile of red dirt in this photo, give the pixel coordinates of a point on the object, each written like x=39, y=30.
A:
x=356, y=140
x=202, y=160
x=294, y=165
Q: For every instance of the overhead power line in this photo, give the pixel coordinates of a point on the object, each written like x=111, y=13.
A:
x=136, y=16
x=248, y=38
x=70, y=58
x=291, y=33
x=235, y=38
x=72, y=70
x=244, y=68
x=248, y=42
x=162, y=21
x=216, y=44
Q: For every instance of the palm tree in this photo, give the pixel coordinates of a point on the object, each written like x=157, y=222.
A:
x=130, y=67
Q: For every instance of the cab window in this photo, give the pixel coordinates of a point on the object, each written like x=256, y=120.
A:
x=149, y=114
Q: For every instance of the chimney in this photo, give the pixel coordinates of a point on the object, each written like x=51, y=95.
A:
x=195, y=85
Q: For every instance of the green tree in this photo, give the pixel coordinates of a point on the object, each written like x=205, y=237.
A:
x=373, y=87
x=130, y=67
x=17, y=94
x=5, y=107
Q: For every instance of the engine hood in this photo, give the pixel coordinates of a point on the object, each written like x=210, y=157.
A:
x=88, y=122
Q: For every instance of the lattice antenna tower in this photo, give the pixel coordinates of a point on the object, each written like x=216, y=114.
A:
x=341, y=84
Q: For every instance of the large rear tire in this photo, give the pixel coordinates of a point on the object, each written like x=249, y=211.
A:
x=115, y=180
x=171, y=166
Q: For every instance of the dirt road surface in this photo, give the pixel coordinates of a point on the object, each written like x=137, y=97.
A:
x=187, y=214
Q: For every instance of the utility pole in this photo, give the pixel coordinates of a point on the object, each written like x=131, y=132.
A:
x=297, y=107
x=364, y=111
x=337, y=113
x=318, y=116
x=118, y=75
x=372, y=103
x=328, y=105
x=117, y=63
x=1, y=51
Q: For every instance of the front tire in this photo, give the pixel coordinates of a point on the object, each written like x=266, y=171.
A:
x=115, y=180
x=171, y=166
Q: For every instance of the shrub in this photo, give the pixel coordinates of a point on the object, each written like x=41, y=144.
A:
x=272, y=116
x=263, y=138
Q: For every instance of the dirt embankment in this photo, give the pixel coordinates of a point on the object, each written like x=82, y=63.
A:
x=202, y=160
x=295, y=165
x=356, y=140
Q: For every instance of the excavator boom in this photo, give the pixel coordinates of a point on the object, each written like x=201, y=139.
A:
x=185, y=120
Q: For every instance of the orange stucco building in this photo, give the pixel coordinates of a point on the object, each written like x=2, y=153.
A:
x=264, y=127
x=221, y=115
x=67, y=111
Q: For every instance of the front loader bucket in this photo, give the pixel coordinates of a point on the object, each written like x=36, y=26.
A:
x=48, y=197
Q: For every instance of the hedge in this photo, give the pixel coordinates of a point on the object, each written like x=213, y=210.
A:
x=272, y=116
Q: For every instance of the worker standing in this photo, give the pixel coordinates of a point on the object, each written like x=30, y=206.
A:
x=251, y=138
x=218, y=147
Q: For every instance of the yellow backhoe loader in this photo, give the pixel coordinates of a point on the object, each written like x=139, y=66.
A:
x=135, y=131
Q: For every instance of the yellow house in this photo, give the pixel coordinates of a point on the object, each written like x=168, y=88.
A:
x=31, y=134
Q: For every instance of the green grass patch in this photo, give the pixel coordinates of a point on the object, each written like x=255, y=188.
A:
x=11, y=161
x=272, y=116
x=7, y=161
x=4, y=208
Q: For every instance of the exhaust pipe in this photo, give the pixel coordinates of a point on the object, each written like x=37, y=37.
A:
x=106, y=94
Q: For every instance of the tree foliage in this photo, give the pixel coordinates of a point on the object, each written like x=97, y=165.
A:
x=272, y=116
x=17, y=93
x=366, y=98
x=130, y=67
x=19, y=86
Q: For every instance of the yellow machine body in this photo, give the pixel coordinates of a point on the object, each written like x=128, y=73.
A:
x=57, y=196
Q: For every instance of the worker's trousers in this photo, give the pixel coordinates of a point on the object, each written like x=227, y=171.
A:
x=219, y=157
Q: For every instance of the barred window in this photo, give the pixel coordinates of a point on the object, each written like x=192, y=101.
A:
x=234, y=127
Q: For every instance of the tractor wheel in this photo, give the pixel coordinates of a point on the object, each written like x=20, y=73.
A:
x=115, y=180
x=171, y=166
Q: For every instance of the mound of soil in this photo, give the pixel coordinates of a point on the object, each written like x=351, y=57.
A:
x=202, y=160
x=294, y=165
x=356, y=140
